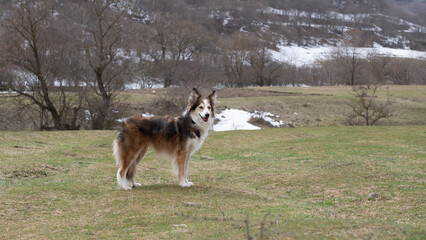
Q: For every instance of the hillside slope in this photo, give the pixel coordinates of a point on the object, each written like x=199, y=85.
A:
x=396, y=24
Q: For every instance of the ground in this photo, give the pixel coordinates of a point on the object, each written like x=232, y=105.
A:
x=306, y=182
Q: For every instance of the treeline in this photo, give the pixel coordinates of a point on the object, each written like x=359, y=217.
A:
x=67, y=62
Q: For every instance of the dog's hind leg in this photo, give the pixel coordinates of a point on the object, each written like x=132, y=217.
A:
x=132, y=168
x=120, y=159
x=126, y=161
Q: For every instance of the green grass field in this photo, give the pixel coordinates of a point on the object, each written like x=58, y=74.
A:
x=302, y=183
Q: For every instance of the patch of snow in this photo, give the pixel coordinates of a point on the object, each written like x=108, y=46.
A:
x=55, y=14
x=394, y=52
x=24, y=77
x=121, y=119
x=13, y=92
x=297, y=85
x=300, y=56
x=87, y=115
x=267, y=116
x=226, y=15
x=147, y=114
x=141, y=85
x=234, y=119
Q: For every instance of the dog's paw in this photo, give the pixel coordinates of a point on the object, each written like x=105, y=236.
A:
x=185, y=184
x=126, y=188
x=190, y=183
x=136, y=184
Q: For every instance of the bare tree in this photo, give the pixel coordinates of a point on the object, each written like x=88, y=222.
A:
x=170, y=40
x=379, y=67
x=266, y=70
x=400, y=72
x=102, y=21
x=36, y=50
x=367, y=107
x=348, y=57
x=236, y=57
x=156, y=43
x=3, y=76
x=290, y=74
x=329, y=67
x=187, y=40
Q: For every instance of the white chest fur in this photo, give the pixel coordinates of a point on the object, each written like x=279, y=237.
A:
x=197, y=143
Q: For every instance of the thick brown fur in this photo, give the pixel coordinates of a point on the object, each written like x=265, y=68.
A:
x=176, y=137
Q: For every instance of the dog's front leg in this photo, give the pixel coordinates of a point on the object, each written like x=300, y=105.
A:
x=186, y=170
x=181, y=160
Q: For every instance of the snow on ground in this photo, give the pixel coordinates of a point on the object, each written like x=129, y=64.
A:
x=267, y=116
x=147, y=114
x=142, y=85
x=300, y=56
x=234, y=119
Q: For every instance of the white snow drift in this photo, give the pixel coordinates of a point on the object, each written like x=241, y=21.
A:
x=234, y=119
x=300, y=56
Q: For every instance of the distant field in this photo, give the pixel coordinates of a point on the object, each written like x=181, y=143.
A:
x=302, y=106
x=314, y=183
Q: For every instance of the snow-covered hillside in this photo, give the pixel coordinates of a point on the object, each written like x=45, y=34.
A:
x=319, y=27
x=301, y=56
x=306, y=37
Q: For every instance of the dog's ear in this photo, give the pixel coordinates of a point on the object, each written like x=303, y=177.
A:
x=194, y=97
x=212, y=97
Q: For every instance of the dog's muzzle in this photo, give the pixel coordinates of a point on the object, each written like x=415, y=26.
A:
x=206, y=118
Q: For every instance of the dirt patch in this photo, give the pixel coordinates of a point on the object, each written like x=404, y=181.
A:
x=260, y=122
x=36, y=172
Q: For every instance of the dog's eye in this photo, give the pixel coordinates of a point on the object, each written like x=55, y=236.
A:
x=209, y=107
x=200, y=107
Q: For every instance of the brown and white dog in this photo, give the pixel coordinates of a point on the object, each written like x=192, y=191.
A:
x=176, y=137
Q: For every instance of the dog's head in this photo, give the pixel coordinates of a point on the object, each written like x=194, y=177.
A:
x=201, y=110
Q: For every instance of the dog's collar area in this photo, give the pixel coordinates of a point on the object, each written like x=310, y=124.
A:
x=196, y=132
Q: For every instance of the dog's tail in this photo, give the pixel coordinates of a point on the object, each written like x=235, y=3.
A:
x=116, y=152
